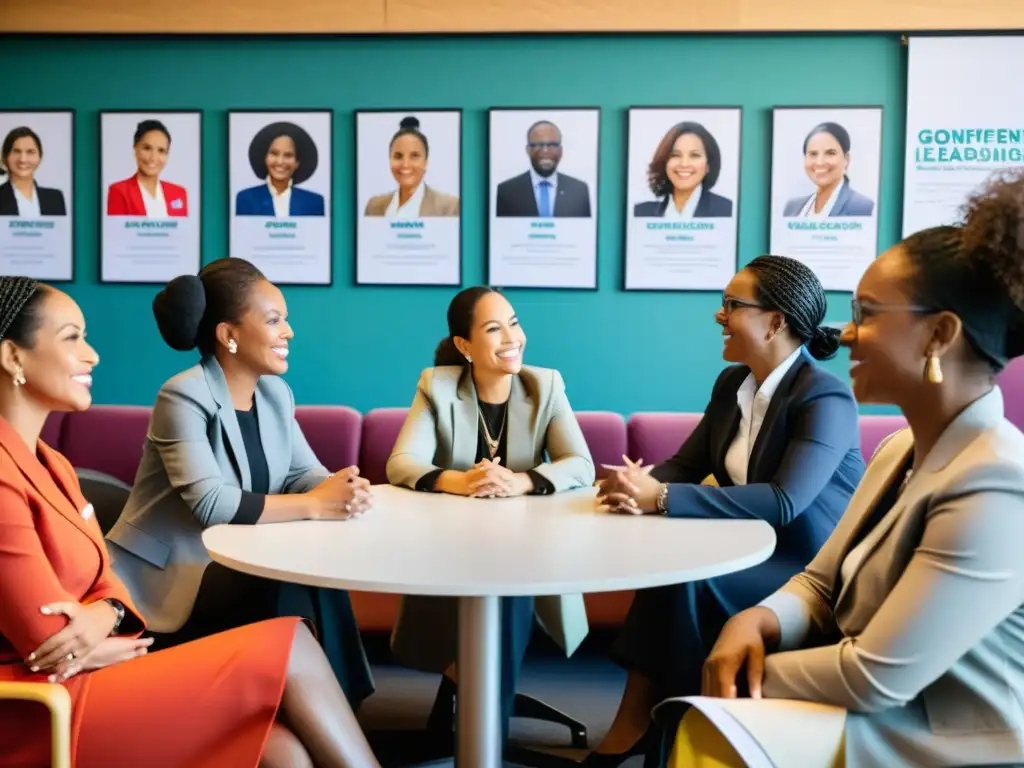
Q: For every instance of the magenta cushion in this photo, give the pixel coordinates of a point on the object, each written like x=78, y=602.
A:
x=655, y=437
x=333, y=432
x=107, y=438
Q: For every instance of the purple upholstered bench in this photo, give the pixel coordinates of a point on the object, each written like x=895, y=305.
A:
x=107, y=438
x=333, y=432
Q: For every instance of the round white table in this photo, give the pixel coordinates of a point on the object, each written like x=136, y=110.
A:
x=480, y=550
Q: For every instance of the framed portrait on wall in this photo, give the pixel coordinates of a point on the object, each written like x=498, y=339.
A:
x=36, y=193
x=682, y=198
x=826, y=164
x=150, y=171
x=279, y=176
x=408, y=197
x=542, y=213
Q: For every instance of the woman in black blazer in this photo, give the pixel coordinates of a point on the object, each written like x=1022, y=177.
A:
x=685, y=167
x=20, y=156
x=779, y=443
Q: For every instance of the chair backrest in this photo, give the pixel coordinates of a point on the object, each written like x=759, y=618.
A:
x=333, y=432
x=380, y=431
x=655, y=437
x=51, y=434
x=1011, y=382
x=107, y=494
x=874, y=429
x=605, y=433
x=107, y=438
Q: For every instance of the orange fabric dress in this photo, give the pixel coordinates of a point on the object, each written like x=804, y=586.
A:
x=206, y=704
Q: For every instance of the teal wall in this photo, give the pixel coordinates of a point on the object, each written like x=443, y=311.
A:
x=365, y=346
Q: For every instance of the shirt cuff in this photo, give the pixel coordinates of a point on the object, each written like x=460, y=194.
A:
x=429, y=480
x=794, y=618
x=541, y=485
x=250, y=508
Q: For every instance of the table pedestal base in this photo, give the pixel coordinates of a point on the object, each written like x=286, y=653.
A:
x=478, y=707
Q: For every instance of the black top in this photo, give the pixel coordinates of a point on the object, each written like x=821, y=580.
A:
x=494, y=416
x=251, y=506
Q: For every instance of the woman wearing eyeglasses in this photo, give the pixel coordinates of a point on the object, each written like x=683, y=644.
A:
x=779, y=439
x=905, y=632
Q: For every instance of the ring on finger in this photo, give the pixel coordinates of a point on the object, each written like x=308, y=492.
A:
x=70, y=656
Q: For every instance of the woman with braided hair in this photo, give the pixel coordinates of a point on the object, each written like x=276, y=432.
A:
x=779, y=439
x=906, y=632
x=67, y=619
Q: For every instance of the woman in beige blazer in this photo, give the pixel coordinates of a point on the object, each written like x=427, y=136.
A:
x=484, y=425
x=902, y=643
x=413, y=199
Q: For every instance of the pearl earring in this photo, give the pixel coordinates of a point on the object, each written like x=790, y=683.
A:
x=469, y=359
x=232, y=346
x=933, y=371
x=19, y=376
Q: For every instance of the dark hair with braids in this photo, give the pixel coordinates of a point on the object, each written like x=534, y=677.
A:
x=976, y=269
x=189, y=309
x=460, y=323
x=789, y=286
x=21, y=300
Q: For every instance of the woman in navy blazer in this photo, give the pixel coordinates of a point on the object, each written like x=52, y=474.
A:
x=685, y=167
x=285, y=155
x=780, y=440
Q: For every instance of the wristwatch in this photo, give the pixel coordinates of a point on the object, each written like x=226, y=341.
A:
x=662, y=504
x=119, y=610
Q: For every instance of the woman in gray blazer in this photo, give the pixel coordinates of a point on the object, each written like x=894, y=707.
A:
x=223, y=446
x=484, y=425
x=910, y=622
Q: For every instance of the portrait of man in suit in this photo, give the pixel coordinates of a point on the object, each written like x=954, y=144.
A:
x=543, y=192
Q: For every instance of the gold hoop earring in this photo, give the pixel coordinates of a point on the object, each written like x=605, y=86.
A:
x=19, y=376
x=232, y=346
x=933, y=371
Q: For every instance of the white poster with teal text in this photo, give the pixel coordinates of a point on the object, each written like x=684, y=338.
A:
x=965, y=121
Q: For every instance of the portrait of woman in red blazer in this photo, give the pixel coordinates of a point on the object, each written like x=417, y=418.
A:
x=144, y=194
x=66, y=619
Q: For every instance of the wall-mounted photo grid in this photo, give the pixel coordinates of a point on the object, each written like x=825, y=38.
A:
x=682, y=198
x=36, y=190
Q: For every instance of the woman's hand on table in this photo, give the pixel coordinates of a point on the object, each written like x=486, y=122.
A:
x=341, y=496
x=629, y=489
x=486, y=479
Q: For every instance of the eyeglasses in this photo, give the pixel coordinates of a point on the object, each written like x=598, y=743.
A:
x=862, y=309
x=545, y=145
x=730, y=305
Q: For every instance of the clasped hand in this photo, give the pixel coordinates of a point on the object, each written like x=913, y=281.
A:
x=489, y=479
x=629, y=489
x=344, y=495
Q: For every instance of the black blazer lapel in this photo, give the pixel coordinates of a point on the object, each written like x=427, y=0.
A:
x=8, y=205
x=774, y=424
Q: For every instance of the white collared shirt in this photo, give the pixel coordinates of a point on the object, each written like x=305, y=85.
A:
x=282, y=200
x=671, y=212
x=411, y=209
x=536, y=179
x=156, y=207
x=753, y=402
x=808, y=210
x=28, y=208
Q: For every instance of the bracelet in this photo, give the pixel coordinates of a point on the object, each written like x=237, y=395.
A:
x=662, y=503
x=119, y=610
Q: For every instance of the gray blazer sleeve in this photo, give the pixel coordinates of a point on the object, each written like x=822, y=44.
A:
x=965, y=577
x=569, y=462
x=413, y=454
x=305, y=472
x=178, y=430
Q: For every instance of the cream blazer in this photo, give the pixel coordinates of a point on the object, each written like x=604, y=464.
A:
x=434, y=204
x=921, y=649
x=441, y=432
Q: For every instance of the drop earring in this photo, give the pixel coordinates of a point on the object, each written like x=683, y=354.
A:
x=232, y=346
x=19, y=376
x=469, y=359
x=933, y=371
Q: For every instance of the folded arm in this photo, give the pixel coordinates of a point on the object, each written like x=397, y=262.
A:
x=964, y=579
x=819, y=440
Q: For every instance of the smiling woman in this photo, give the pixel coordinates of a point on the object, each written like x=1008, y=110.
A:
x=826, y=162
x=285, y=155
x=20, y=156
x=145, y=194
x=223, y=447
x=484, y=425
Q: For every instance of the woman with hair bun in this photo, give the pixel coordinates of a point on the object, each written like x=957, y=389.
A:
x=906, y=629
x=484, y=425
x=259, y=695
x=778, y=442
x=223, y=446
x=826, y=162
x=413, y=199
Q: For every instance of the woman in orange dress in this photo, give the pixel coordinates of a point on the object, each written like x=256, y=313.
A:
x=260, y=695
